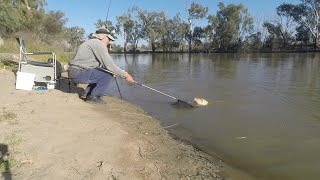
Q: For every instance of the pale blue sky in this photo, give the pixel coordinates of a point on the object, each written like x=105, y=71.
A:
x=85, y=13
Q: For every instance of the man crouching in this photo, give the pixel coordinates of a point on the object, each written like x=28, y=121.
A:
x=90, y=55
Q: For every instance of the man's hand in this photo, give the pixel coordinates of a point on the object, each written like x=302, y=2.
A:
x=129, y=78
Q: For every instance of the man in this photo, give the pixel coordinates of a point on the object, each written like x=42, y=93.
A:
x=93, y=54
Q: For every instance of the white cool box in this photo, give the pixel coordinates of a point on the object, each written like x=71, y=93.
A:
x=25, y=81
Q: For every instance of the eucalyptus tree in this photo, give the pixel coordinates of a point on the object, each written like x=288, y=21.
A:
x=177, y=30
x=197, y=35
x=170, y=37
x=280, y=32
x=45, y=24
x=130, y=26
x=75, y=36
x=34, y=4
x=175, y=33
x=107, y=24
x=19, y=15
x=195, y=12
x=306, y=13
x=30, y=15
x=254, y=42
x=303, y=35
x=153, y=24
x=136, y=35
x=165, y=31
x=100, y=23
x=124, y=26
x=258, y=35
x=9, y=18
x=14, y=15
x=210, y=32
x=273, y=40
x=230, y=27
x=54, y=22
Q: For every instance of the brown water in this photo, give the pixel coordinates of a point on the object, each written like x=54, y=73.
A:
x=263, y=115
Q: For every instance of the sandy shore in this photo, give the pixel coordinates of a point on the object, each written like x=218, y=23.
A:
x=56, y=135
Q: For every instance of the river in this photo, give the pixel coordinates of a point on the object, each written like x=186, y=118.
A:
x=263, y=115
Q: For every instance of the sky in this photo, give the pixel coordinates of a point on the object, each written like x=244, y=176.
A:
x=85, y=13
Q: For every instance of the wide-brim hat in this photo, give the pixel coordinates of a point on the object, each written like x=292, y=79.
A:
x=104, y=32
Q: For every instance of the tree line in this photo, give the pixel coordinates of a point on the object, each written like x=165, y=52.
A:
x=230, y=29
x=295, y=27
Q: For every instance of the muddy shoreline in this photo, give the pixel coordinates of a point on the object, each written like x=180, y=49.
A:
x=55, y=135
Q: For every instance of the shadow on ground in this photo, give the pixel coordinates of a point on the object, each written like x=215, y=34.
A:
x=4, y=162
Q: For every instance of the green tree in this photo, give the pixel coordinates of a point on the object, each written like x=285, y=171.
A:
x=54, y=22
x=130, y=26
x=303, y=35
x=75, y=36
x=198, y=35
x=100, y=23
x=34, y=4
x=124, y=26
x=107, y=24
x=230, y=27
x=136, y=35
x=164, y=32
x=117, y=48
x=210, y=33
x=153, y=25
x=281, y=32
x=306, y=13
x=12, y=17
x=179, y=30
x=175, y=33
x=195, y=12
x=254, y=43
x=19, y=15
x=273, y=39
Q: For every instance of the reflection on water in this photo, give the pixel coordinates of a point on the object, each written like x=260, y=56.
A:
x=263, y=115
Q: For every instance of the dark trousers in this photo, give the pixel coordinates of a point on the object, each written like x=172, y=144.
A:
x=98, y=81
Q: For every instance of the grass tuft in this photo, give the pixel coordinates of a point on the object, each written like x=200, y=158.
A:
x=7, y=115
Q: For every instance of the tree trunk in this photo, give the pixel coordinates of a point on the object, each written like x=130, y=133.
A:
x=153, y=47
x=134, y=49
x=163, y=45
x=135, y=46
x=125, y=43
x=125, y=46
x=190, y=44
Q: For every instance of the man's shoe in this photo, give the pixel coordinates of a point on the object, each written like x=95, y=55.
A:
x=95, y=99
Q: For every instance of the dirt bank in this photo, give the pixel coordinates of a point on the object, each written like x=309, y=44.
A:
x=55, y=135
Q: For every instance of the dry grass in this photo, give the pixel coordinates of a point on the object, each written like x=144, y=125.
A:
x=12, y=46
x=7, y=115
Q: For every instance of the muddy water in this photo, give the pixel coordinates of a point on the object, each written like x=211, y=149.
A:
x=263, y=115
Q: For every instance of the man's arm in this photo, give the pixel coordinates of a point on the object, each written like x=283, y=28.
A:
x=104, y=57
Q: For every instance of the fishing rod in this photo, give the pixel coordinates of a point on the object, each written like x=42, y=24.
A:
x=115, y=78
x=108, y=12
